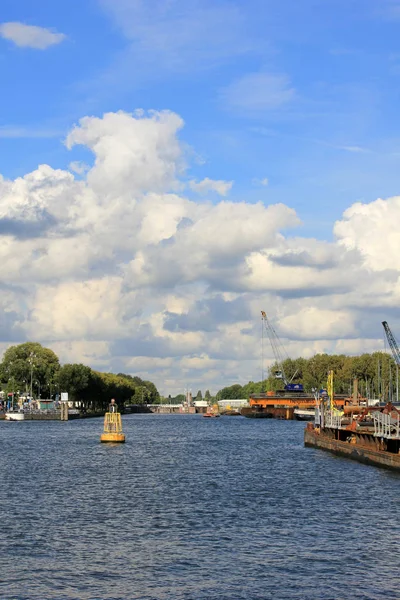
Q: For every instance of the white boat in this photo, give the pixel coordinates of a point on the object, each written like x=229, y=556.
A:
x=14, y=415
x=304, y=414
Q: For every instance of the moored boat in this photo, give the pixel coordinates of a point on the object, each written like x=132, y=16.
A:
x=368, y=434
x=212, y=412
x=304, y=414
x=12, y=415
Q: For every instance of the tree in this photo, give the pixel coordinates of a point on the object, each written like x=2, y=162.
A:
x=75, y=379
x=207, y=397
x=375, y=373
x=233, y=392
x=28, y=363
x=199, y=396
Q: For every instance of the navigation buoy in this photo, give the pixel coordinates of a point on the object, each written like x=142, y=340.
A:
x=112, y=426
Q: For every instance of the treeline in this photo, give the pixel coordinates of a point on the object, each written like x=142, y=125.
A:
x=375, y=372
x=30, y=366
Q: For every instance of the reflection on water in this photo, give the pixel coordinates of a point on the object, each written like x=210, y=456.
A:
x=191, y=508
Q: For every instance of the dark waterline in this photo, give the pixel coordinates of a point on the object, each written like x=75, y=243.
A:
x=191, y=508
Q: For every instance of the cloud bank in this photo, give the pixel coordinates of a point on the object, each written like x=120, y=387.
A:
x=119, y=269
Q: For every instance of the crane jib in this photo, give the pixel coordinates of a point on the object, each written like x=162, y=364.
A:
x=279, y=354
x=392, y=343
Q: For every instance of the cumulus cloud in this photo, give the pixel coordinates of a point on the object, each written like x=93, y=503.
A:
x=78, y=167
x=210, y=185
x=30, y=36
x=118, y=269
x=372, y=229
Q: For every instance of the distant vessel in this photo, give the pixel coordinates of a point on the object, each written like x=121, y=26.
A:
x=12, y=415
x=212, y=412
x=304, y=414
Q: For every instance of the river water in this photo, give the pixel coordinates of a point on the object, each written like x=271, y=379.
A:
x=191, y=508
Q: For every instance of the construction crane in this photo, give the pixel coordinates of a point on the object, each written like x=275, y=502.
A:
x=279, y=352
x=392, y=343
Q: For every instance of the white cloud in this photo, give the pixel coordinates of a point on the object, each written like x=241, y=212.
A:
x=354, y=149
x=264, y=182
x=372, y=230
x=30, y=36
x=120, y=270
x=78, y=167
x=176, y=36
x=211, y=185
x=27, y=132
x=257, y=92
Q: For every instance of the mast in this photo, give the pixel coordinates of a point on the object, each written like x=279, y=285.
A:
x=262, y=351
x=330, y=389
x=396, y=355
x=276, y=347
x=392, y=343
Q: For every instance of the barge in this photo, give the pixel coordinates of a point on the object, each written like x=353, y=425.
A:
x=370, y=435
x=284, y=404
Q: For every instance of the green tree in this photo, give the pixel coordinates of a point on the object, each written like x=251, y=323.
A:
x=28, y=363
x=75, y=379
x=232, y=392
x=207, y=397
x=199, y=396
x=178, y=399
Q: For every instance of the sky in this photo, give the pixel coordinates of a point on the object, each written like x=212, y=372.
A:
x=170, y=168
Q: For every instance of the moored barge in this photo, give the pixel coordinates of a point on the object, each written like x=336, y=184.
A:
x=369, y=435
x=283, y=404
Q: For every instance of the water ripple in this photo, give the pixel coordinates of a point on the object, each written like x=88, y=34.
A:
x=191, y=508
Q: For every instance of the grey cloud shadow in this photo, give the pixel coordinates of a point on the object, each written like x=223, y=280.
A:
x=24, y=229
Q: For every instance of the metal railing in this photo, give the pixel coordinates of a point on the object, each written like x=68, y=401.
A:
x=386, y=426
x=333, y=420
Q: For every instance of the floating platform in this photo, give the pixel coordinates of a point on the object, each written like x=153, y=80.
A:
x=282, y=404
x=363, y=447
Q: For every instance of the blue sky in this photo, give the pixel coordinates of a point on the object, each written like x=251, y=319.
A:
x=317, y=115
x=259, y=190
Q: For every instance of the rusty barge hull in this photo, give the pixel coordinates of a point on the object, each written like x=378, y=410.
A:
x=365, y=450
x=281, y=405
x=268, y=412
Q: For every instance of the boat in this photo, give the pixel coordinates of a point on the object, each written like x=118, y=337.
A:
x=304, y=414
x=211, y=413
x=371, y=436
x=14, y=415
x=368, y=434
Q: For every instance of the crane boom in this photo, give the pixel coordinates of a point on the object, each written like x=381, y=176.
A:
x=275, y=344
x=392, y=343
x=279, y=354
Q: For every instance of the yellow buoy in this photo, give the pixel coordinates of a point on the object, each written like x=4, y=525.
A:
x=112, y=428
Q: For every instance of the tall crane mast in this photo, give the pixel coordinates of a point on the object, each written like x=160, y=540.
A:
x=280, y=354
x=277, y=347
x=392, y=343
